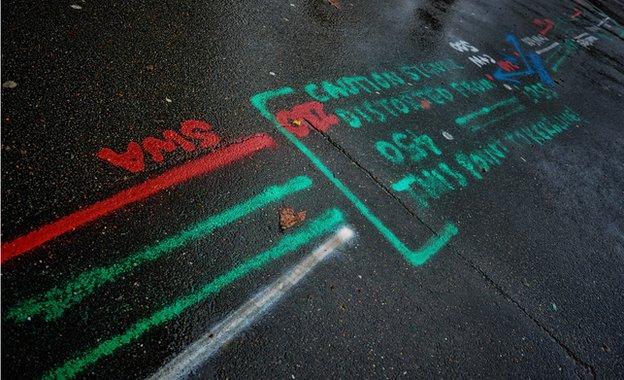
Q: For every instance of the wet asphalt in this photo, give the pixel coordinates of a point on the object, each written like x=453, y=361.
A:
x=532, y=284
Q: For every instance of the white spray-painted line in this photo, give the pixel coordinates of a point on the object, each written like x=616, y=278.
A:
x=600, y=23
x=580, y=36
x=551, y=46
x=237, y=321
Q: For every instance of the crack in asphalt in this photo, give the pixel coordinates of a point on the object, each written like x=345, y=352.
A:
x=569, y=352
x=370, y=175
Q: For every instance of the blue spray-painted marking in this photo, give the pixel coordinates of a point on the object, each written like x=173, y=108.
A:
x=532, y=66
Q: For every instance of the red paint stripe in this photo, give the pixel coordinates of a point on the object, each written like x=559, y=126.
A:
x=172, y=177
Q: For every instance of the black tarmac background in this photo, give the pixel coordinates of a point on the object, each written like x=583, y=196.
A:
x=532, y=286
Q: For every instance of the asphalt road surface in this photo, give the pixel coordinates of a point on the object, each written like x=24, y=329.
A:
x=312, y=189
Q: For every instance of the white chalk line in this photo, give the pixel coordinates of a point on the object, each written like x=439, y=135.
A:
x=202, y=349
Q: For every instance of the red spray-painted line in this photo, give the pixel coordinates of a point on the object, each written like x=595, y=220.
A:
x=172, y=177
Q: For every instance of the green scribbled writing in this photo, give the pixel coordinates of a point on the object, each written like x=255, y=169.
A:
x=538, y=91
x=380, y=110
x=376, y=82
x=407, y=147
x=445, y=177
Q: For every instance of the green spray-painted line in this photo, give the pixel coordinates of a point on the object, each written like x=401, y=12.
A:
x=53, y=303
x=463, y=120
x=325, y=223
x=570, y=47
x=514, y=111
x=439, y=240
x=414, y=257
x=552, y=54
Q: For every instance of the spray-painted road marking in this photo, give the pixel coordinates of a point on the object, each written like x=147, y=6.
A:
x=553, y=53
x=208, y=163
x=580, y=36
x=515, y=110
x=414, y=257
x=547, y=48
x=532, y=65
x=465, y=119
x=439, y=240
x=290, y=243
x=570, y=47
x=53, y=303
x=201, y=350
